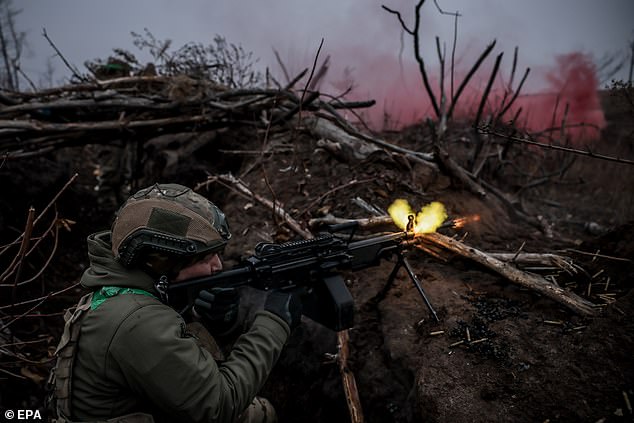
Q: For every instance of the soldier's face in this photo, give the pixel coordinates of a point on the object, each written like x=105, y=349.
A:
x=207, y=266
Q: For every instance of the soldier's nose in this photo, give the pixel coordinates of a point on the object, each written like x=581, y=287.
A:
x=215, y=263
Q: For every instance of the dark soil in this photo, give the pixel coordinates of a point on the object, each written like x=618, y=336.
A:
x=499, y=353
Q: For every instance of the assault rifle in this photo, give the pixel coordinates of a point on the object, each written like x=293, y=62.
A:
x=312, y=267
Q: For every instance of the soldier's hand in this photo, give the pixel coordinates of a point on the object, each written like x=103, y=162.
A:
x=218, y=307
x=286, y=305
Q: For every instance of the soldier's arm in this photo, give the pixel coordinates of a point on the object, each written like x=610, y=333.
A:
x=162, y=363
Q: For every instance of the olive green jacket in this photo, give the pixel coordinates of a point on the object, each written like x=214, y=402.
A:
x=135, y=355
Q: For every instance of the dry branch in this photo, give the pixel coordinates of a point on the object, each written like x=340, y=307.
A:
x=526, y=140
x=511, y=273
x=37, y=219
x=242, y=188
x=32, y=124
x=417, y=50
x=349, y=382
x=468, y=77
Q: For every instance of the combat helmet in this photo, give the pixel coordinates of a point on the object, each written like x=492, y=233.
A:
x=167, y=220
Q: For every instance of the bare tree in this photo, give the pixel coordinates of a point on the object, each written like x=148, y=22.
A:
x=610, y=64
x=631, y=61
x=11, y=44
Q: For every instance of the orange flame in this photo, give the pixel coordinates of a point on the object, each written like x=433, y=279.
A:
x=428, y=219
x=461, y=221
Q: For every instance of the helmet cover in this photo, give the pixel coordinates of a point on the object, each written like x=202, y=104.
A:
x=170, y=219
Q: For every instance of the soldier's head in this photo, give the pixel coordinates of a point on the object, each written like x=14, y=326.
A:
x=166, y=228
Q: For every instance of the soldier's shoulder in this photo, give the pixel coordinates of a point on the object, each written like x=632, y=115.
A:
x=116, y=310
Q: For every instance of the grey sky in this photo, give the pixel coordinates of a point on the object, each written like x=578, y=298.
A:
x=358, y=34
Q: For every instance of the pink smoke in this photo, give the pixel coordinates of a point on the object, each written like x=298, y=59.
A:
x=569, y=91
x=572, y=97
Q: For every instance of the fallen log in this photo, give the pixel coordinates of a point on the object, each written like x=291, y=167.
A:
x=531, y=281
x=350, y=147
x=357, y=144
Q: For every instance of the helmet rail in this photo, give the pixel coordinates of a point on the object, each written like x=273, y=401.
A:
x=168, y=219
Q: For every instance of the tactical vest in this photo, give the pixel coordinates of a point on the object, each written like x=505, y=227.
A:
x=60, y=387
x=62, y=374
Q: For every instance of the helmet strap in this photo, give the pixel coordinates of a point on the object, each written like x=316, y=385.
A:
x=161, y=287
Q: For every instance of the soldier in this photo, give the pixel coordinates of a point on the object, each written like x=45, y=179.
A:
x=126, y=355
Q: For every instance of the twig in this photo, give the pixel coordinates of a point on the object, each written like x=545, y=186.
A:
x=453, y=50
x=483, y=100
x=48, y=260
x=16, y=263
x=555, y=108
x=321, y=73
x=421, y=63
x=36, y=341
x=370, y=208
x=443, y=98
x=349, y=382
x=299, y=76
x=467, y=78
x=273, y=195
x=312, y=72
x=332, y=191
x=517, y=92
x=279, y=62
x=22, y=252
x=442, y=12
x=48, y=206
x=25, y=76
x=487, y=90
x=557, y=128
x=25, y=313
x=12, y=374
x=519, y=250
x=61, y=56
x=21, y=357
x=40, y=298
x=512, y=77
x=572, y=250
x=240, y=187
x=485, y=130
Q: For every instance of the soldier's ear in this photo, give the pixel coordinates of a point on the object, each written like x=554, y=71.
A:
x=159, y=264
